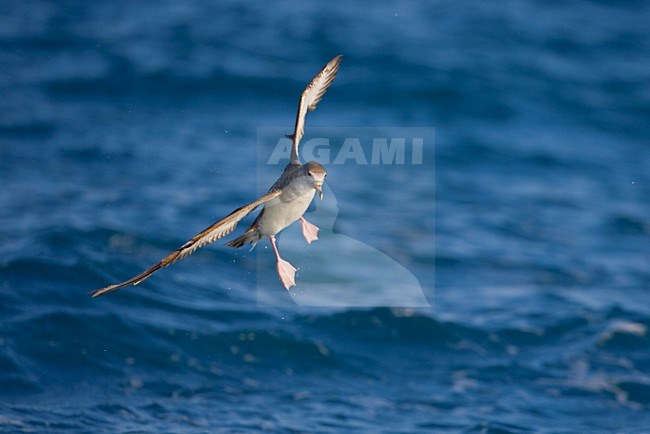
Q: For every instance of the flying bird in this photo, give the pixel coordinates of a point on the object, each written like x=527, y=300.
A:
x=284, y=203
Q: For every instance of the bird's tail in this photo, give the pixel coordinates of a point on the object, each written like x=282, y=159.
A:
x=252, y=235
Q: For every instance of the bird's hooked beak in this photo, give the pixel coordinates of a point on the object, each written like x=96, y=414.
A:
x=319, y=189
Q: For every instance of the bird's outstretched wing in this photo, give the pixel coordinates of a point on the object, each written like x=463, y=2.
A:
x=311, y=96
x=218, y=230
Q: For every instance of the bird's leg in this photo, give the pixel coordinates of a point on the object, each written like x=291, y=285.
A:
x=309, y=231
x=286, y=271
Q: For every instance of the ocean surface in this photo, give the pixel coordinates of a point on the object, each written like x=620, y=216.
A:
x=484, y=256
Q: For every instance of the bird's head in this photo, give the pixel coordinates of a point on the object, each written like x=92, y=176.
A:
x=316, y=174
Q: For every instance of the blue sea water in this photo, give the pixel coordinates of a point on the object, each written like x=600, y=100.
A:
x=502, y=285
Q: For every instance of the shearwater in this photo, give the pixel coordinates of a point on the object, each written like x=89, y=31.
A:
x=284, y=203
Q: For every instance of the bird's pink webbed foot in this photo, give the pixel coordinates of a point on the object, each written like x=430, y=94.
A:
x=286, y=271
x=309, y=231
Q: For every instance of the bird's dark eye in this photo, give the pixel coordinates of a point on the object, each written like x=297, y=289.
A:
x=309, y=173
x=325, y=176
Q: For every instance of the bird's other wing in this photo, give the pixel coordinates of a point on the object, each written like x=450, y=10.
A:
x=218, y=230
x=311, y=96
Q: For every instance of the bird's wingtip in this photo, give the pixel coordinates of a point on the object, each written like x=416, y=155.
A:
x=336, y=60
x=96, y=293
